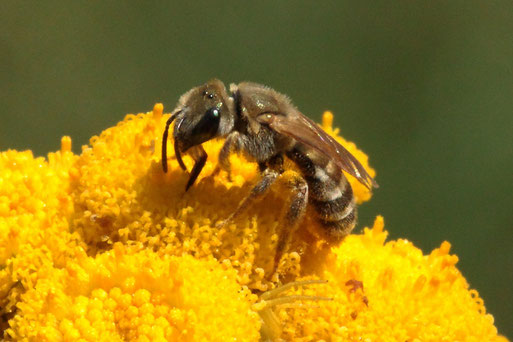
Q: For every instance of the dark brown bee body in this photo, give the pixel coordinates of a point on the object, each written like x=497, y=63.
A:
x=265, y=126
x=329, y=192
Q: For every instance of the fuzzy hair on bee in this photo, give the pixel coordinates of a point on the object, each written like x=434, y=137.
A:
x=266, y=127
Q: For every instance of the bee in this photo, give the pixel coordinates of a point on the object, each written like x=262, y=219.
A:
x=266, y=127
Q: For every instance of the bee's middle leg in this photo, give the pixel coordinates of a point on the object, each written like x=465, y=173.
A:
x=269, y=176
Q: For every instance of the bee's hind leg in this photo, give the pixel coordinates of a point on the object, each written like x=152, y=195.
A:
x=298, y=203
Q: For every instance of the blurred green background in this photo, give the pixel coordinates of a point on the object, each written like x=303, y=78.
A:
x=425, y=88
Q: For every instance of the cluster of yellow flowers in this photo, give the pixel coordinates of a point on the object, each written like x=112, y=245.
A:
x=105, y=246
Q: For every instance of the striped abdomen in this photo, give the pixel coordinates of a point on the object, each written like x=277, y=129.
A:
x=329, y=192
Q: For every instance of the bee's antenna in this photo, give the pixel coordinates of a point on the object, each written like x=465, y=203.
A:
x=177, y=147
x=164, y=140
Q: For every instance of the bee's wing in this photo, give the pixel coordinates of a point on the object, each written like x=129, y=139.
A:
x=304, y=130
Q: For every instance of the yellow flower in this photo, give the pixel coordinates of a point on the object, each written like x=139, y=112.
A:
x=105, y=246
x=122, y=295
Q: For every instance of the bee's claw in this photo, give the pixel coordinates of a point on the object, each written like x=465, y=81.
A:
x=218, y=169
x=229, y=176
x=221, y=224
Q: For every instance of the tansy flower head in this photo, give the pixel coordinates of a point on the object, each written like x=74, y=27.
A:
x=106, y=246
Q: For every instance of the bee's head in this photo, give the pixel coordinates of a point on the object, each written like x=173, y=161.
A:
x=203, y=113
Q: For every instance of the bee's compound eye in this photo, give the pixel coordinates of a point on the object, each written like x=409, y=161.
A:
x=213, y=113
x=206, y=128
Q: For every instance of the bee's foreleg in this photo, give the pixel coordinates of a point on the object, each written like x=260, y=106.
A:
x=200, y=157
x=268, y=178
x=298, y=203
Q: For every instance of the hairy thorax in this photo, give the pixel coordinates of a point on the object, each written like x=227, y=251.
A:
x=264, y=144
